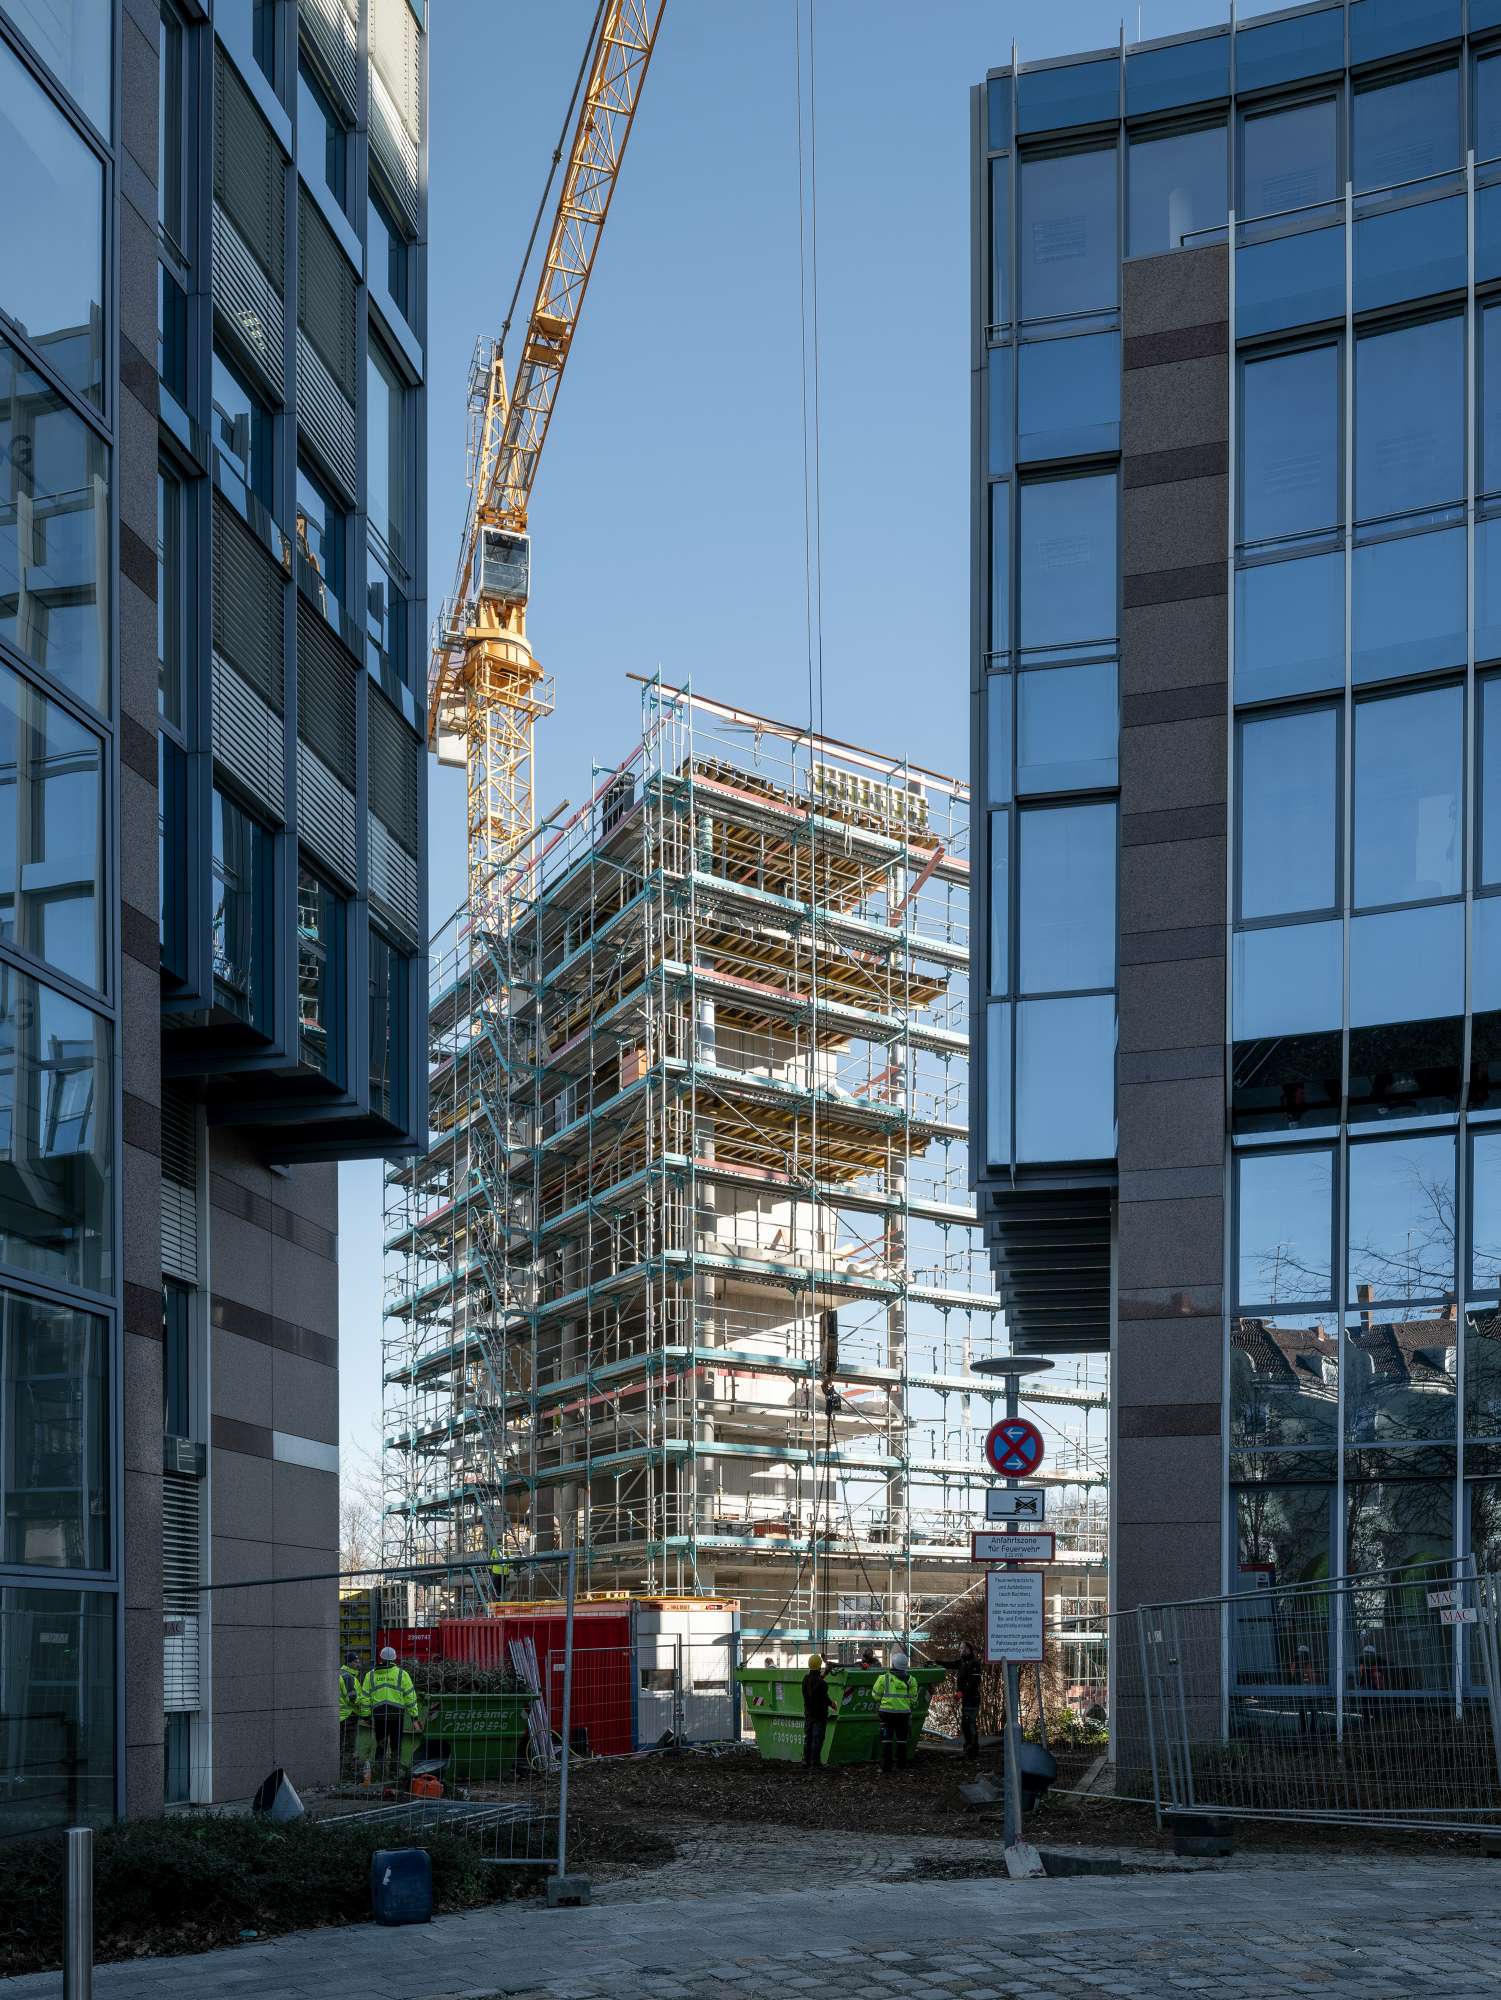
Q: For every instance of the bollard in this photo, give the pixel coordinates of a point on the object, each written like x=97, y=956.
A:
x=78, y=1941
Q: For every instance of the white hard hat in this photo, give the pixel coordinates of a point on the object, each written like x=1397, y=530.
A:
x=899, y=1662
x=388, y=1652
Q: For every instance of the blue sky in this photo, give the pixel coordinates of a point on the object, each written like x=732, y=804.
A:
x=667, y=524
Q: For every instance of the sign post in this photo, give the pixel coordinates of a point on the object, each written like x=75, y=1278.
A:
x=1014, y=1448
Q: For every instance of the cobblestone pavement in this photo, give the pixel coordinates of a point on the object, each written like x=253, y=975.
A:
x=1373, y=1931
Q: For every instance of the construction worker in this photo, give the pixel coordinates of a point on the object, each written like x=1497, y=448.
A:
x=388, y=1701
x=967, y=1681
x=895, y=1695
x=818, y=1704
x=500, y=1568
x=349, y=1707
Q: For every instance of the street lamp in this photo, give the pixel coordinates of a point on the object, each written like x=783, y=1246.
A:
x=1011, y=1368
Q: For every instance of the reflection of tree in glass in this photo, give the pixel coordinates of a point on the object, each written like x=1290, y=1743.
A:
x=1422, y=1264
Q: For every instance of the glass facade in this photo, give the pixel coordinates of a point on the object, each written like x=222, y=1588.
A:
x=1362, y=1323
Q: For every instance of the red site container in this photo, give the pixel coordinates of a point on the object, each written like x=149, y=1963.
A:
x=603, y=1676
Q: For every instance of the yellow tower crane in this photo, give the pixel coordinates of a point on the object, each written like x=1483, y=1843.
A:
x=486, y=690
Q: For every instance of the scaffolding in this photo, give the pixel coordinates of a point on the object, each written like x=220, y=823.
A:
x=689, y=1277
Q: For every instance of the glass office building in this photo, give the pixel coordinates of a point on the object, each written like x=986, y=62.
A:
x=1237, y=717
x=212, y=446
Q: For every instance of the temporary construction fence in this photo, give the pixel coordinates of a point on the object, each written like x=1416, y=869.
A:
x=1364, y=1700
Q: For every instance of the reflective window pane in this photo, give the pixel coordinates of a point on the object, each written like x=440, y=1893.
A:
x=999, y=98
x=998, y=1085
x=1402, y=1219
x=321, y=534
x=1067, y=254
x=1000, y=242
x=1288, y=158
x=1401, y=1376
x=1488, y=589
x=1411, y=250
x=54, y=534
x=1068, y=728
x=1290, y=628
x=54, y=1453
x=1409, y=793
x=1283, y=51
x=1067, y=896
x=1406, y=129
x=1287, y=793
x=1398, y=1524
x=242, y=428
x=1387, y=27
x=1290, y=281
x=1000, y=567
x=52, y=240
x=56, y=1142
x=1290, y=428
x=387, y=1027
x=999, y=953
x=389, y=256
x=1068, y=565
x=1408, y=605
x=386, y=445
x=1283, y=1535
x=1488, y=831
x=998, y=738
x=73, y=38
x=51, y=819
x=1488, y=473
x=1284, y=1381
x=1482, y=1335
x=1086, y=93
x=320, y=967
x=1065, y=1079
x=241, y=891
x=1177, y=185
x=1284, y=1223
x=1287, y=980
x=1070, y=400
x=1407, y=965
x=57, y=1753
x=1487, y=111
x=1409, y=419
x=1485, y=1209
x=1002, y=414
x=322, y=142
x=1186, y=73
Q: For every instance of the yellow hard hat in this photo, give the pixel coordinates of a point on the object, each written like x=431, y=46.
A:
x=814, y=1660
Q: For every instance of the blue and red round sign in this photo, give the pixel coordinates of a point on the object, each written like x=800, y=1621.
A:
x=1014, y=1447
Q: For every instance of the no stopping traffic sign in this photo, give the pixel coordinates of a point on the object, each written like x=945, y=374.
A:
x=1014, y=1447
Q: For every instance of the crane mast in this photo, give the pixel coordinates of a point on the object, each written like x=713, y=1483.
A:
x=486, y=690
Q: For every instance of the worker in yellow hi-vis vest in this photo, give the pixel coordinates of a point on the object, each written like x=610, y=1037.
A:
x=895, y=1697
x=500, y=1569
x=388, y=1701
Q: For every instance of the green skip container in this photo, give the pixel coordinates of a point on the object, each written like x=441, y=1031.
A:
x=484, y=1736
x=774, y=1703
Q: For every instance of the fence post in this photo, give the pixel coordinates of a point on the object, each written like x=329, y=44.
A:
x=78, y=1938
x=1146, y=1702
x=573, y=1558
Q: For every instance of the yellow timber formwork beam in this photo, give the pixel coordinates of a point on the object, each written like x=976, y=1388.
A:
x=486, y=690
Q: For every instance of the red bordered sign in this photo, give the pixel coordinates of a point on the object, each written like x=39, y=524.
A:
x=1014, y=1447
x=1031, y=1545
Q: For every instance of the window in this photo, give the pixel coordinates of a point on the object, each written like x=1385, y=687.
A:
x=1290, y=628
x=323, y=143
x=320, y=966
x=177, y=1404
x=51, y=812
x=55, y=1446
x=56, y=1101
x=263, y=26
x=1284, y=1222
x=1409, y=762
x=1287, y=980
x=386, y=613
x=52, y=241
x=54, y=497
x=1406, y=129
x=388, y=254
x=1409, y=419
x=385, y=419
x=1401, y=1220
x=1408, y=605
x=387, y=1011
x=57, y=1659
x=1284, y=51
x=242, y=428
x=73, y=37
x=320, y=530
x=1067, y=899
x=1000, y=370
x=171, y=850
x=1070, y=400
x=998, y=740
x=1081, y=93
x=1067, y=255
x=1000, y=568
x=1485, y=1207
x=1000, y=905
x=998, y=1084
x=1289, y=158
x=1068, y=728
x=1185, y=73
x=1488, y=473
x=171, y=586
x=1000, y=242
x=1487, y=125
x=1065, y=1079
x=1177, y=186
x=1068, y=564
x=1283, y=1533
x=1290, y=432
x=241, y=889
x=1488, y=833
x=1405, y=965
x=1287, y=834
x=171, y=334
x=169, y=131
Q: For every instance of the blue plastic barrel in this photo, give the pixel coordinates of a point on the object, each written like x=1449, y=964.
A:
x=401, y=1885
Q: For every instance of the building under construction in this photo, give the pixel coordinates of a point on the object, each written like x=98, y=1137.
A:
x=689, y=1277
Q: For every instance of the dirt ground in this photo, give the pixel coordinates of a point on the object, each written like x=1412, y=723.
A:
x=735, y=1788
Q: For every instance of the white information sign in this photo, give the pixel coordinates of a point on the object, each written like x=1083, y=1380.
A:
x=1016, y=1503
x=1013, y=1615
x=1020, y=1546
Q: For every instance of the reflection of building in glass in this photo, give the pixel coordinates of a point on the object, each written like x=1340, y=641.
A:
x=1237, y=681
